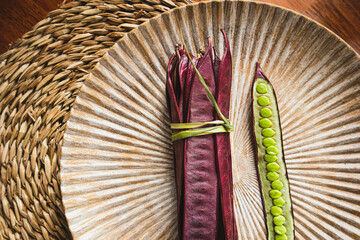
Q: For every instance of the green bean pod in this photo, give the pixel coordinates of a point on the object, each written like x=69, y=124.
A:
x=273, y=180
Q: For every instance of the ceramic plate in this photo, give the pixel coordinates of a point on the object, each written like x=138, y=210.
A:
x=117, y=167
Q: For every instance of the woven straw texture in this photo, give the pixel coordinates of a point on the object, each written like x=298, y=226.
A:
x=40, y=77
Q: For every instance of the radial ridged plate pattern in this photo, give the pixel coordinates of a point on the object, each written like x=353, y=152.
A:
x=117, y=167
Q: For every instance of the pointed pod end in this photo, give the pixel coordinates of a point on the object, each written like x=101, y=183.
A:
x=258, y=70
x=260, y=73
x=209, y=43
x=225, y=38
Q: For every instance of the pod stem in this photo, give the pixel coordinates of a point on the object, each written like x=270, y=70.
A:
x=225, y=126
x=209, y=94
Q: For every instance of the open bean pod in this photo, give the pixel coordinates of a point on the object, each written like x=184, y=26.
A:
x=270, y=162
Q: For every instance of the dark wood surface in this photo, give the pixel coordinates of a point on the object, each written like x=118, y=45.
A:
x=18, y=16
x=341, y=16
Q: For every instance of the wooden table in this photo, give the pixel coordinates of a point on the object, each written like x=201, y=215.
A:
x=340, y=16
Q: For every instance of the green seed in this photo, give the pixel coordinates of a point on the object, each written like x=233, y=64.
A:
x=279, y=201
x=272, y=167
x=270, y=158
x=280, y=229
x=263, y=101
x=277, y=185
x=280, y=237
x=265, y=123
x=275, y=211
x=272, y=150
x=261, y=88
x=272, y=176
x=265, y=112
x=275, y=194
x=268, y=132
x=267, y=142
x=279, y=220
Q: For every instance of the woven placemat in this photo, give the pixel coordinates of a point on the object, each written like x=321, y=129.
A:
x=40, y=77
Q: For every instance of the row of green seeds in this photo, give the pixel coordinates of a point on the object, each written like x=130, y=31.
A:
x=272, y=167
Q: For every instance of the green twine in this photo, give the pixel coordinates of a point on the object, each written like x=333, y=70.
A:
x=221, y=127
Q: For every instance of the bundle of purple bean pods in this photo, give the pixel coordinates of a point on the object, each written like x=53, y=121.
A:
x=198, y=96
